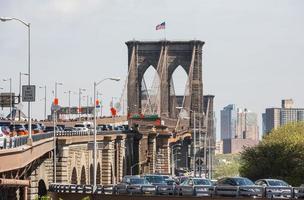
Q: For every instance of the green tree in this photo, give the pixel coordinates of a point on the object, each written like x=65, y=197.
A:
x=226, y=165
x=279, y=155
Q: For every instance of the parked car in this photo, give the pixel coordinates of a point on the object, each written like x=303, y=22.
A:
x=195, y=187
x=134, y=185
x=275, y=188
x=229, y=187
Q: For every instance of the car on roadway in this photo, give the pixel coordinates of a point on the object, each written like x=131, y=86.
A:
x=68, y=128
x=81, y=127
x=181, y=179
x=51, y=128
x=195, y=187
x=102, y=127
x=275, y=188
x=157, y=180
x=36, y=128
x=18, y=129
x=228, y=186
x=134, y=185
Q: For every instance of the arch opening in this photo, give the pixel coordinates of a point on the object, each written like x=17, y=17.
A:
x=150, y=91
x=42, y=191
x=98, y=174
x=179, y=90
x=74, y=176
x=83, y=176
x=91, y=174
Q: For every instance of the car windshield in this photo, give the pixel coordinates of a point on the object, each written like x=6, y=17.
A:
x=155, y=179
x=277, y=183
x=243, y=181
x=138, y=181
x=201, y=182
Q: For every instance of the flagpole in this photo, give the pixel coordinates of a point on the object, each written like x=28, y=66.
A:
x=165, y=33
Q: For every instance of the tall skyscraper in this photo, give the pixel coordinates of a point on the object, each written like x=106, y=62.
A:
x=228, y=122
x=238, y=129
x=276, y=117
x=247, y=127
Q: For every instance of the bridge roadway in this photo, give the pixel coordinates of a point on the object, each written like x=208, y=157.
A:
x=118, y=151
x=23, y=155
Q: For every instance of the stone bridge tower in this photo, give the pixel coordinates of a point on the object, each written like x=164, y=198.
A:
x=165, y=57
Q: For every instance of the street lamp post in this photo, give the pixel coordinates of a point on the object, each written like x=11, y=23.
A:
x=69, y=93
x=95, y=131
x=98, y=93
x=80, y=92
x=11, y=96
x=44, y=87
x=20, y=75
x=54, y=142
x=1, y=88
x=28, y=25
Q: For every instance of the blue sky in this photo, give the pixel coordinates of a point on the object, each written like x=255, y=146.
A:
x=253, y=55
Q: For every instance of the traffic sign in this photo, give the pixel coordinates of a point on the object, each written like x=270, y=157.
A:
x=28, y=93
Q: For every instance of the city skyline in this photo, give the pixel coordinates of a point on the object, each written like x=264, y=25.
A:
x=246, y=77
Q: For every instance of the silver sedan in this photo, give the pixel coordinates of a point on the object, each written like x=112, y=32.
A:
x=195, y=187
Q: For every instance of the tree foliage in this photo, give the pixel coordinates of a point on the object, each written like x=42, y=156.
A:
x=226, y=165
x=279, y=155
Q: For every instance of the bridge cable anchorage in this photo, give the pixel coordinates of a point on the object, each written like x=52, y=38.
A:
x=188, y=88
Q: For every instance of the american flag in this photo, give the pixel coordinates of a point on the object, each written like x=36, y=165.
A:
x=161, y=26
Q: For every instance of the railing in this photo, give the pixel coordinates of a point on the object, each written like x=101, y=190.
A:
x=41, y=136
x=17, y=141
x=210, y=191
x=14, y=142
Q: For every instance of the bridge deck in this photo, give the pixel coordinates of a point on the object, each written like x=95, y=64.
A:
x=19, y=157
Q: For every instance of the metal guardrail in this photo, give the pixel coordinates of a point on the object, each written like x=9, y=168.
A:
x=14, y=142
x=210, y=191
x=17, y=141
x=41, y=136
